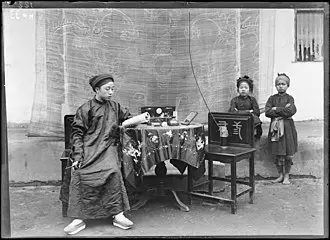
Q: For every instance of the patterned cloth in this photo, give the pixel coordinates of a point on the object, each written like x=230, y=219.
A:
x=145, y=49
x=145, y=146
x=277, y=129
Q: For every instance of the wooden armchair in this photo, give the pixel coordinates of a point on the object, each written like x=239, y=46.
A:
x=66, y=173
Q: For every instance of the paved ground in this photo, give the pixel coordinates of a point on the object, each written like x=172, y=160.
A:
x=295, y=209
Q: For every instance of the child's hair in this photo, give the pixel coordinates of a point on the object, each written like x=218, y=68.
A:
x=246, y=79
x=282, y=76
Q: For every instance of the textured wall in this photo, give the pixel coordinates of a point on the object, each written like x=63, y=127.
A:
x=147, y=51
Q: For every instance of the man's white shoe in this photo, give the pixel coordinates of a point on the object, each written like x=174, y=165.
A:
x=75, y=226
x=122, y=222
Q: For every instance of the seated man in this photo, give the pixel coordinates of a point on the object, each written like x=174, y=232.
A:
x=97, y=188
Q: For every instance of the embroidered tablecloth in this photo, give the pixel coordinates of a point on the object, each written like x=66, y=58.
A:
x=144, y=146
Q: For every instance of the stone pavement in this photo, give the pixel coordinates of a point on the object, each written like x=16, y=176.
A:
x=296, y=209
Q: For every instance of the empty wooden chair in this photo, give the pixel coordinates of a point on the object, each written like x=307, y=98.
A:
x=240, y=146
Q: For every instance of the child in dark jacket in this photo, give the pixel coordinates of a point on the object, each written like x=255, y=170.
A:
x=282, y=136
x=244, y=102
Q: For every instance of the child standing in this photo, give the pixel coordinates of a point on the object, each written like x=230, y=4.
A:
x=245, y=103
x=282, y=136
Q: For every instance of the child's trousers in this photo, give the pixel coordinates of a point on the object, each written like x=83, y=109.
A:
x=285, y=161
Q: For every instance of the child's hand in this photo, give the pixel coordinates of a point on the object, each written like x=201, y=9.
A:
x=236, y=109
x=274, y=108
x=251, y=111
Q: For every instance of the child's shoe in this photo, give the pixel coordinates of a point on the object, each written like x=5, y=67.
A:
x=122, y=222
x=75, y=226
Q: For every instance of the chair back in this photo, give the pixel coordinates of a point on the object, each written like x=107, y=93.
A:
x=240, y=128
x=68, y=119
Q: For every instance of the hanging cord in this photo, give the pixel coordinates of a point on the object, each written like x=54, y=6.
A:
x=192, y=69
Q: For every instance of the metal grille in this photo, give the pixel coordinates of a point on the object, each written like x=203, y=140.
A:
x=309, y=35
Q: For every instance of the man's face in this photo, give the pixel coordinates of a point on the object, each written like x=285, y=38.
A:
x=105, y=92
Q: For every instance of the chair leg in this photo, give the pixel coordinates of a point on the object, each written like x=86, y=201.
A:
x=234, y=207
x=210, y=177
x=64, y=209
x=251, y=165
x=190, y=184
x=63, y=166
x=233, y=187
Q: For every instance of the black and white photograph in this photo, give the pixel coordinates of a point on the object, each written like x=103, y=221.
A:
x=164, y=119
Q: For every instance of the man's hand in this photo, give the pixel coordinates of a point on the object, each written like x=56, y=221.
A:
x=274, y=108
x=115, y=131
x=127, y=114
x=288, y=105
x=76, y=165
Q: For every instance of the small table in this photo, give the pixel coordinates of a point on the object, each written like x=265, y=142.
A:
x=144, y=146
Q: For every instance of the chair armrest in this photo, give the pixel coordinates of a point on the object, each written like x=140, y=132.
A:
x=65, y=155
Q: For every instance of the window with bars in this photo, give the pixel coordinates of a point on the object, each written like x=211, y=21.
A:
x=309, y=35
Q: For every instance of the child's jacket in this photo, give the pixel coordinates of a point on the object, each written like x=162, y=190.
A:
x=245, y=104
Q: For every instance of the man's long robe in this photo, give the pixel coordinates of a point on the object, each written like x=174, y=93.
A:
x=96, y=189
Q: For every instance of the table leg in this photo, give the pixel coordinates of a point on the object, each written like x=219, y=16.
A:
x=234, y=207
x=251, y=165
x=233, y=187
x=182, y=206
